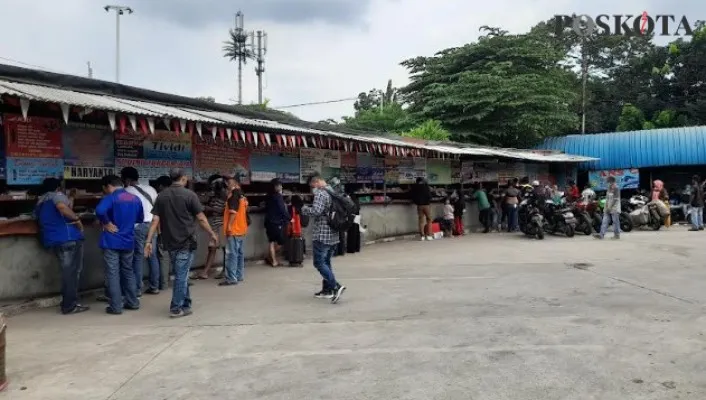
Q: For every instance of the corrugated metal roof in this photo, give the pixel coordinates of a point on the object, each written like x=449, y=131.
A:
x=636, y=149
x=168, y=111
x=137, y=107
x=55, y=95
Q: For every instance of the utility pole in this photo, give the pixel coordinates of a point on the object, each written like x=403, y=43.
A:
x=90, y=69
x=584, y=80
x=260, y=69
x=243, y=49
x=119, y=10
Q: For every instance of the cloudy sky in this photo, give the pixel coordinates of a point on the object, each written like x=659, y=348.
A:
x=319, y=50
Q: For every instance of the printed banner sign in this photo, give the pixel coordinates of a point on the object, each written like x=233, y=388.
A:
x=32, y=171
x=511, y=170
x=349, y=162
x=265, y=167
x=439, y=172
x=153, y=169
x=153, y=155
x=411, y=169
x=625, y=178
x=3, y=160
x=327, y=163
x=364, y=168
x=35, y=138
x=71, y=172
x=88, y=146
x=485, y=172
x=455, y=171
x=213, y=157
x=467, y=172
x=392, y=170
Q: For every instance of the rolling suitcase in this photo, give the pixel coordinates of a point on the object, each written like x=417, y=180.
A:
x=295, y=251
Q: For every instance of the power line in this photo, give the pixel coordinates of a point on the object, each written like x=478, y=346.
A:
x=29, y=65
x=316, y=103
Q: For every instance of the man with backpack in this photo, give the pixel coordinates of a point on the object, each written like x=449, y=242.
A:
x=332, y=213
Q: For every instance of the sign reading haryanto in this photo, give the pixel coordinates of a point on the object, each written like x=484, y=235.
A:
x=87, y=172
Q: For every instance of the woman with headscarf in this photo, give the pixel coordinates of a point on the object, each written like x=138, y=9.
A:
x=659, y=193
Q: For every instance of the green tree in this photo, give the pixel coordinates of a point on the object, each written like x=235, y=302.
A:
x=505, y=90
x=376, y=98
x=390, y=118
x=631, y=119
x=429, y=130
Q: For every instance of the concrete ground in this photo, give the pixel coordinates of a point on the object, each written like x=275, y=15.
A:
x=482, y=317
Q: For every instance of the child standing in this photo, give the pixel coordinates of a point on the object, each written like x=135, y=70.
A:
x=448, y=221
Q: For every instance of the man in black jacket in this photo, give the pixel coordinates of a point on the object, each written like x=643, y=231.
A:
x=421, y=197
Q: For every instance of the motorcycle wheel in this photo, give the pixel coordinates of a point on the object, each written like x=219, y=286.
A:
x=655, y=224
x=540, y=233
x=569, y=231
x=587, y=227
x=625, y=223
x=597, y=223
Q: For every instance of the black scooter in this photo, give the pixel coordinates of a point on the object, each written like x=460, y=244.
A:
x=530, y=219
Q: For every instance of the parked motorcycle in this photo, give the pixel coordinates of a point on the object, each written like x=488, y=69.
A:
x=559, y=219
x=644, y=212
x=530, y=219
x=583, y=217
x=626, y=223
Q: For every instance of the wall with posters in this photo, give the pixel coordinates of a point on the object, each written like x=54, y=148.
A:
x=89, y=151
x=265, y=166
x=439, y=172
x=349, y=162
x=411, y=169
x=2, y=152
x=510, y=170
x=327, y=163
x=218, y=157
x=392, y=170
x=153, y=155
x=33, y=149
x=625, y=178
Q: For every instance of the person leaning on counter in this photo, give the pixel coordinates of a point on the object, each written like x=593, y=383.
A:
x=62, y=232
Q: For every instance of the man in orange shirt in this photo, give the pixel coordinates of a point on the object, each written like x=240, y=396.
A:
x=235, y=225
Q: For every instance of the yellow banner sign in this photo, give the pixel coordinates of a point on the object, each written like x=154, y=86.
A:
x=87, y=172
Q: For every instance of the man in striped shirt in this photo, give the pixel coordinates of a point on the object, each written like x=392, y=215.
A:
x=214, y=211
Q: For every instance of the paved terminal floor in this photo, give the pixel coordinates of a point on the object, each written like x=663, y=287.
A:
x=492, y=316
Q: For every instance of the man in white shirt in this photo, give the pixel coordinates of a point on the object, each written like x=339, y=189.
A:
x=147, y=195
x=588, y=194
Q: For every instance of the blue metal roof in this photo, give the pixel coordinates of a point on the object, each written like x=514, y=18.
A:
x=635, y=149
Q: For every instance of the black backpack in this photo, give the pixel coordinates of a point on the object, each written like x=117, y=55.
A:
x=342, y=213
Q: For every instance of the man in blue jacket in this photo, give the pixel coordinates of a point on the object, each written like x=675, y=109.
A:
x=119, y=212
x=62, y=232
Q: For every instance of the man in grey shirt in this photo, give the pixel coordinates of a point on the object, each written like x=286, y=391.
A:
x=611, y=213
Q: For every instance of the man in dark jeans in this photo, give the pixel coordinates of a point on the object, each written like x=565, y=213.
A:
x=119, y=212
x=697, y=204
x=325, y=240
x=147, y=196
x=175, y=213
x=421, y=197
x=165, y=265
x=483, y=207
x=62, y=232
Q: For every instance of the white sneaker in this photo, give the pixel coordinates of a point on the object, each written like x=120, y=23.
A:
x=423, y=238
x=430, y=237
